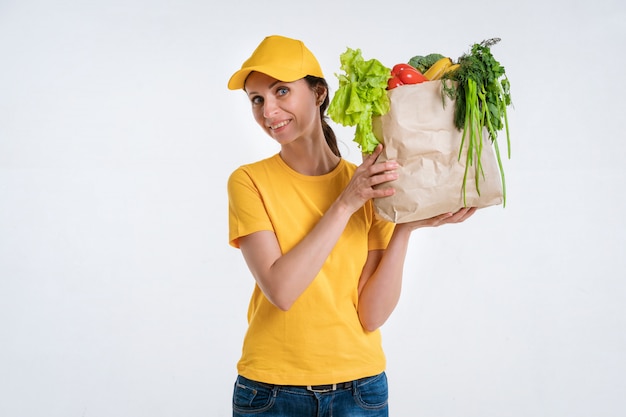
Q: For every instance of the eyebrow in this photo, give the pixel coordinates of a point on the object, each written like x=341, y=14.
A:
x=270, y=86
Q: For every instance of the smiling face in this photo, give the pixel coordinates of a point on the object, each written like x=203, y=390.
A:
x=286, y=111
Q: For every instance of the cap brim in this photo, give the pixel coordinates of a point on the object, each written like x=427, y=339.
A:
x=238, y=79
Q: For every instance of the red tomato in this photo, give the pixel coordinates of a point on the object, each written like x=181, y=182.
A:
x=408, y=74
x=393, y=82
x=398, y=68
x=411, y=76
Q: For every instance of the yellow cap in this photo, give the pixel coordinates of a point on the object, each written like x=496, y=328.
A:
x=279, y=57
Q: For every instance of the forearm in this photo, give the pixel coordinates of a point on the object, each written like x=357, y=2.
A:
x=291, y=273
x=381, y=292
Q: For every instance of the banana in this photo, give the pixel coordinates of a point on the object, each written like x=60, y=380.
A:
x=438, y=69
x=452, y=68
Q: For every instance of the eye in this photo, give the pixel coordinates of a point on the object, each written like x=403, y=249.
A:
x=256, y=100
x=281, y=91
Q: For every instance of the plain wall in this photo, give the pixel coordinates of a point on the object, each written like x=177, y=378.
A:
x=119, y=294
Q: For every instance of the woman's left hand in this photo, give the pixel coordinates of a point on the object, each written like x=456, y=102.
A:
x=445, y=218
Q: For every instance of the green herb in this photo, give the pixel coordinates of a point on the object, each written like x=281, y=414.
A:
x=362, y=94
x=482, y=94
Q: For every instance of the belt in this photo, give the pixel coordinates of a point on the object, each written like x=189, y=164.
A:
x=329, y=387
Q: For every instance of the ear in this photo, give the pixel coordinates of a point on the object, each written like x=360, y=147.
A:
x=320, y=94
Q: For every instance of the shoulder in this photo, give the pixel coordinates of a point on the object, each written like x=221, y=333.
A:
x=349, y=165
x=254, y=168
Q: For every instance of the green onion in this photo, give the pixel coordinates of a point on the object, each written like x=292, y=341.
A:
x=482, y=94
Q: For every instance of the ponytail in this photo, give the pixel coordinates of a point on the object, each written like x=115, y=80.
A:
x=329, y=134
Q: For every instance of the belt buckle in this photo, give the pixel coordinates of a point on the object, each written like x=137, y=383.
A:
x=313, y=388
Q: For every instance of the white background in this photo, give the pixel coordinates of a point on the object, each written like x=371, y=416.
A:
x=119, y=295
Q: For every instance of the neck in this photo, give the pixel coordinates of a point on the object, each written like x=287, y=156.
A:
x=312, y=157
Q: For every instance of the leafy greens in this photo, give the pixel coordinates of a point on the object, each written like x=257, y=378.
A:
x=362, y=94
x=482, y=94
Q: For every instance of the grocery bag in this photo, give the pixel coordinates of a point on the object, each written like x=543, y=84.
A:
x=419, y=133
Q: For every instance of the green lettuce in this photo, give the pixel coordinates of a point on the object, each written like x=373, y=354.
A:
x=361, y=95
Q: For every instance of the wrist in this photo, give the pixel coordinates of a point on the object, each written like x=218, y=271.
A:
x=403, y=229
x=340, y=209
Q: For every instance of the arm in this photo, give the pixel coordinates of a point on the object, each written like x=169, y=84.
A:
x=283, y=277
x=381, y=281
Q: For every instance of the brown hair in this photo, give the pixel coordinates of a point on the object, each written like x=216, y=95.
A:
x=329, y=134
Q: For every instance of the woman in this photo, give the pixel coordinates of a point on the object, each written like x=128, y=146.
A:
x=328, y=272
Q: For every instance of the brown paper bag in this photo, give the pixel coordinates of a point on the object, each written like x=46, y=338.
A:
x=419, y=133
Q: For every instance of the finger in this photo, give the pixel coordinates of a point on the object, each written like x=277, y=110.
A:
x=382, y=192
x=469, y=213
x=380, y=175
x=389, y=165
x=462, y=215
x=440, y=219
x=371, y=158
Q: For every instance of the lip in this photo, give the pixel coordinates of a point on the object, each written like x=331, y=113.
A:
x=279, y=125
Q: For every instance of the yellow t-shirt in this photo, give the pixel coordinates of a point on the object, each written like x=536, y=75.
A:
x=320, y=339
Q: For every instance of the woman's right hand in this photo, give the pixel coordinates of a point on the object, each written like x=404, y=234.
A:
x=370, y=173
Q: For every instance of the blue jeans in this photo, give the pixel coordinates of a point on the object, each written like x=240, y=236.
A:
x=367, y=397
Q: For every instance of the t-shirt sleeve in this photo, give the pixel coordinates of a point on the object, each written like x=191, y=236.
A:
x=246, y=212
x=380, y=232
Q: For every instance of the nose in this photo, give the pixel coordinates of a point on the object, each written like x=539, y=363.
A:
x=270, y=106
